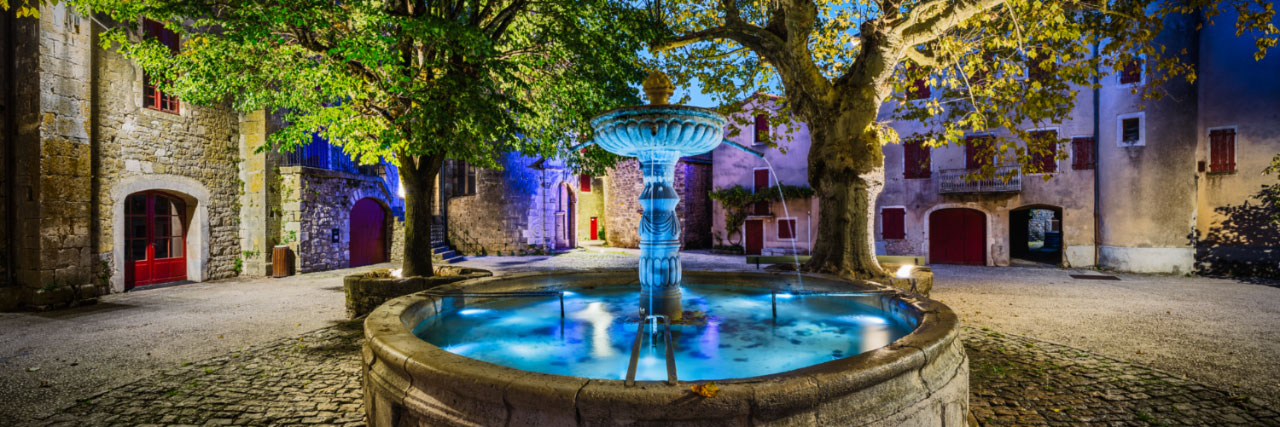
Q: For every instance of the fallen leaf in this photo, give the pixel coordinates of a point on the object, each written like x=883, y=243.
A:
x=705, y=390
x=33, y=369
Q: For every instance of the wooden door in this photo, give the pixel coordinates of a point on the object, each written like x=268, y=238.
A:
x=755, y=236
x=594, y=229
x=155, y=239
x=368, y=243
x=958, y=236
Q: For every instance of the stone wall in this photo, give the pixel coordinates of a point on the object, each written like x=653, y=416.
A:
x=517, y=210
x=140, y=149
x=623, y=210
x=317, y=201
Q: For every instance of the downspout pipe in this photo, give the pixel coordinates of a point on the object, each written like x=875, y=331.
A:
x=1097, y=164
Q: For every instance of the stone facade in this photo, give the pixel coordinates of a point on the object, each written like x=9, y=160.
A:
x=520, y=209
x=622, y=203
x=78, y=140
x=316, y=215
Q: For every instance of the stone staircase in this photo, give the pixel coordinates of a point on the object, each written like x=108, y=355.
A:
x=440, y=251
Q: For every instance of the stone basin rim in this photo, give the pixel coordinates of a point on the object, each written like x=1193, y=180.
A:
x=388, y=333
x=641, y=110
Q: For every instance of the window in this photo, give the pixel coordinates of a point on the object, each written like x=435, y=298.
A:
x=915, y=159
x=892, y=223
x=1132, y=72
x=1044, y=156
x=1222, y=150
x=152, y=97
x=977, y=151
x=471, y=179
x=1082, y=152
x=787, y=229
x=760, y=183
x=1130, y=131
x=919, y=89
x=584, y=183
x=762, y=129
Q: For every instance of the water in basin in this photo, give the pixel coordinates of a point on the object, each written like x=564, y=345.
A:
x=738, y=338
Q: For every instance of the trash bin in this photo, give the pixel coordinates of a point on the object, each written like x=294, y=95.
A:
x=280, y=261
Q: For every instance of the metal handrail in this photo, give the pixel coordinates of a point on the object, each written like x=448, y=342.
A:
x=1005, y=179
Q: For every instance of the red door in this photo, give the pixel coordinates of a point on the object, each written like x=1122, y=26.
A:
x=594, y=229
x=368, y=233
x=755, y=236
x=958, y=236
x=155, y=239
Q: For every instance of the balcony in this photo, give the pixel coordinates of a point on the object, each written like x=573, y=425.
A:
x=320, y=154
x=1005, y=180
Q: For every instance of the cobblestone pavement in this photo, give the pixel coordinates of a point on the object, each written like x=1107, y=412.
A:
x=311, y=379
x=314, y=379
x=1022, y=381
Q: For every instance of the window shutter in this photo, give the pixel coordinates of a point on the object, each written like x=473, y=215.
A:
x=762, y=128
x=892, y=223
x=975, y=151
x=1082, y=153
x=1222, y=150
x=915, y=159
x=584, y=183
x=786, y=229
x=1132, y=72
x=1046, y=162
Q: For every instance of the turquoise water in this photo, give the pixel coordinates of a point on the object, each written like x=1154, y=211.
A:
x=738, y=339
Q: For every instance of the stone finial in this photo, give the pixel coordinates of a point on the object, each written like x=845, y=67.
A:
x=658, y=88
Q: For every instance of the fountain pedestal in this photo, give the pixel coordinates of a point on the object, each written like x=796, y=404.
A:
x=660, y=236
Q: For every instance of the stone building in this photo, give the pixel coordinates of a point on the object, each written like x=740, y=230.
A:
x=622, y=212
x=109, y=184
x=1171, y=188
x=528, y=206
x=776, y=227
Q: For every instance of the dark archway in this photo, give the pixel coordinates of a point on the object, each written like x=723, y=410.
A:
x=1035, y=234
x=368, y=233
x=958, y=236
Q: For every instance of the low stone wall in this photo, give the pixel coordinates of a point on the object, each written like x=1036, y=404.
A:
x=366, y=293
x=920, y=379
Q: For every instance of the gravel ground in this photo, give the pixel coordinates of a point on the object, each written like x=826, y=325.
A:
x=48, y=360
x=1224, y=333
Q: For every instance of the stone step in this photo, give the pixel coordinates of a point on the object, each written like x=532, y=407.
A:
x=445, y=254
x=455, y=259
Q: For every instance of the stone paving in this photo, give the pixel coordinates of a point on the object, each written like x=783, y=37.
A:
x=1022, y=381
x=311, y=379
x=314, y=379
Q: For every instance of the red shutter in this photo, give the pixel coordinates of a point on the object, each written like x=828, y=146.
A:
x=762, y=128
x=1082, y=153
x=977, y=152
x=915, y=159
x=1222, y=150
x=584, y=183
x=761, y=183
x=786, y=229
x=892, y=223
x=1132, y=72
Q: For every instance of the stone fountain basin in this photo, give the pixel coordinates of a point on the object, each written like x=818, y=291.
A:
x=920, y=379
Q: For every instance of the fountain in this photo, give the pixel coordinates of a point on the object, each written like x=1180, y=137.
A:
x=569, y=348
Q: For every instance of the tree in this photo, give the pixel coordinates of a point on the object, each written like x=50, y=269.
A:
x=998, y=64
x=412, y=81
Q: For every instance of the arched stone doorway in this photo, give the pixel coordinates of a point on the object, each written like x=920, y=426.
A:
x=194, y=199
x=958, y=236
x=155, y=240
x=1035, y=234
x=368, y=233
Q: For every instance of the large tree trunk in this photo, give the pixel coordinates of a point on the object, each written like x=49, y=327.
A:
x=419, y=176
x=846, y=168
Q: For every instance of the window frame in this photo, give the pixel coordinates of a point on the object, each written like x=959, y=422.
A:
x=1142, y=130
x=155, y=29
x=1235, y=153
x=904, y=222
x=1057, y=166
x=795, y=225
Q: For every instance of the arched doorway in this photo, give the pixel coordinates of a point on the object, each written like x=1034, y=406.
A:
x=368, y=232
x=155, y=239
x=1035, y=234
x=958, y=236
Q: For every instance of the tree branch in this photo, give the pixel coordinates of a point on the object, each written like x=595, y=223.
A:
x=931, y=19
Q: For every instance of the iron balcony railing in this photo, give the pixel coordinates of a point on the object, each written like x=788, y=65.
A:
x=1005, y=180
x=320, y=154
